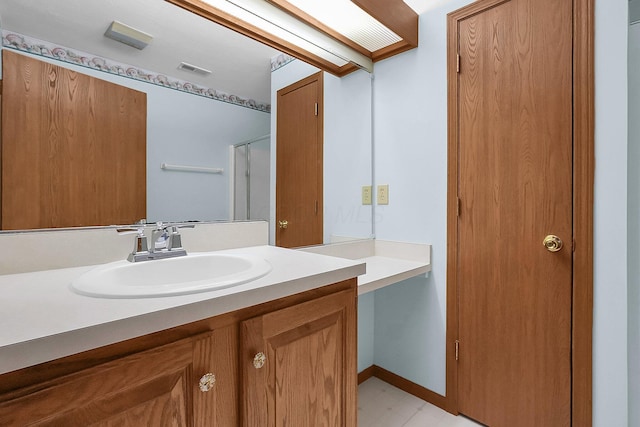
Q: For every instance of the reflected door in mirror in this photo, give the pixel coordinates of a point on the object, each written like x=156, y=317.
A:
x=299, y=163
x=73, y=148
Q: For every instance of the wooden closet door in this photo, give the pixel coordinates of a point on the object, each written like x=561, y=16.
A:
x=73, y=148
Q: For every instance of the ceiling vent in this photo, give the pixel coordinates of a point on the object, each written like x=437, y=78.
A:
x=128, y=35
x=194, y=69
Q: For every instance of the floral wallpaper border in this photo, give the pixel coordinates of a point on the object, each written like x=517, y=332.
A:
x=34, y=46
x=280, y=61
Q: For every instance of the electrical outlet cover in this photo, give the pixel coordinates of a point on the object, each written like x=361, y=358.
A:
x=366, y=194
x=383, y=194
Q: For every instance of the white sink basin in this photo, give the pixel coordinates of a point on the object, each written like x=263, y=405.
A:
x=198, y=272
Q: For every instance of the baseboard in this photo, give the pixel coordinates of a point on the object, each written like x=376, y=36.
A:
x=366, y=374
x=404, y=385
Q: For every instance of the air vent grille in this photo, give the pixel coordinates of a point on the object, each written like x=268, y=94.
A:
x=194, y=69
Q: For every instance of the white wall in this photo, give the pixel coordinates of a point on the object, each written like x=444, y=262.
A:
x=411, y=140
x=610, y=407
x=347, y=147
x=634, y=225
x=189, y=130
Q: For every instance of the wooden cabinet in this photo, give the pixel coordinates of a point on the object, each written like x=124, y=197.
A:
x=157, y=387
x=298, y=368
x=308, y=377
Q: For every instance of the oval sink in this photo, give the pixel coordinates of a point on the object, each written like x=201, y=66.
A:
x=198, y=272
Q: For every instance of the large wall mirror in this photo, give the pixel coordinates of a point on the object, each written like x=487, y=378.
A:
x=221, y=123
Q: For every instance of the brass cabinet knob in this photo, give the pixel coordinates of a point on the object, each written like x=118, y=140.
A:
x=283, y=224
x=206, y=382
x=552, y=243
x=259, y=360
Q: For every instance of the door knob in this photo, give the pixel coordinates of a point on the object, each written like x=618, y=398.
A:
x=206, y=382
x=552, y=243
x=259, y=360
x=283, y=224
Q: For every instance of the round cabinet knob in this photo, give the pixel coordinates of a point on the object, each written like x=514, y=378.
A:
x=259, y=360
x=552, y=243
x=206, y=382
x=283, y=224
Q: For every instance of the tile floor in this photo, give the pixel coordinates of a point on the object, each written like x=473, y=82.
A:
x=383, y=405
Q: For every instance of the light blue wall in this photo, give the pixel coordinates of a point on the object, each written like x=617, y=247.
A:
x=610, y=373
x=401, y=317
x=634, y=225
x=366, y=318
x=410, y=135
x=411, y=156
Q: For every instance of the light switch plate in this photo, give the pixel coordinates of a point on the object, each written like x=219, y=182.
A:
x=383, y=194
x=366, y=194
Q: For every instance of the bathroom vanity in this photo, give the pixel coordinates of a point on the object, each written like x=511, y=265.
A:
x=277, y=350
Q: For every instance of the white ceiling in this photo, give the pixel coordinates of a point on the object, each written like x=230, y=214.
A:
x=240, y=65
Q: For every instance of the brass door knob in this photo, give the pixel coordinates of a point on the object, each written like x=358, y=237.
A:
x=259, y=360
x=206, y=382
x=552, y=243
x=283, y=224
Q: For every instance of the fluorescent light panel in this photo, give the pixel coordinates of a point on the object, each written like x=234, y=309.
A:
x=351, y=21
x=269, y=18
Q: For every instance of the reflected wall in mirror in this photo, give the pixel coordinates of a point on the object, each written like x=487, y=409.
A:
x=201, y=122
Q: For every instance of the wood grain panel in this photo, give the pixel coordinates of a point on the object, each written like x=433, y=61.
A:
x=299, y=163
x=74, y=148
x=307, y=369
x=310, y=374
x=217, y=353
x=148, y=388
x=515, y=187
x=583, y=175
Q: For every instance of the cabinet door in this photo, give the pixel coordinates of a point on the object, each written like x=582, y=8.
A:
x=309, y=376
x=157, y=387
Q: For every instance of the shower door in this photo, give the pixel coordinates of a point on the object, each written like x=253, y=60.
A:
x=251, y=180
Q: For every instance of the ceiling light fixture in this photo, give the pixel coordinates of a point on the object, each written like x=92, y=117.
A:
x=279, y=23
x=349, y=20
x=128, y=35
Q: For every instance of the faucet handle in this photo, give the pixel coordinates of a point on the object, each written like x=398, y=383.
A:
x=129, y=230
x=173, y=225
x=174, y=240
x=140, y=245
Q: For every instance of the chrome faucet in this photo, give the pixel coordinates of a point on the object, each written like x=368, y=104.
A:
x=166, y=242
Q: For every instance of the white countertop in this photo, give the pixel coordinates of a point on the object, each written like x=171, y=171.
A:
x=42, y=319
x=387, y=262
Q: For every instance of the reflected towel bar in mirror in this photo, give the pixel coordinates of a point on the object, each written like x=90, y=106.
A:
x=182, y=168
